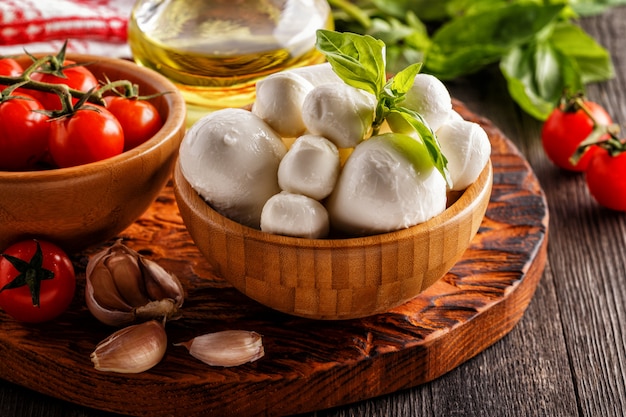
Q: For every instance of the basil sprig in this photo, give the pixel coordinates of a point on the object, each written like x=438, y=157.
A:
x=359, y=60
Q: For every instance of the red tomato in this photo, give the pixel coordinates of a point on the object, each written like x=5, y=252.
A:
x=9, y=68
x=24, y=133
x=78, y=78
x=606, y=179
x=90, y=134
x=140, y=120
x=564, y=130
x=51, y=291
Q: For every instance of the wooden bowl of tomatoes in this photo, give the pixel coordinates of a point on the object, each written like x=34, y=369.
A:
x=85, y=187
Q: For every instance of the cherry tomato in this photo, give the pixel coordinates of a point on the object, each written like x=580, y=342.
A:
x=140, y=120
x=9, y=68
x=90, y=134
x=24, y=133
x=78, y=78
x=37, y=281
x=606, y=179
x=565, y=129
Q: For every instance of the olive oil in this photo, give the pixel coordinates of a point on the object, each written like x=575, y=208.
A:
x=216, y=50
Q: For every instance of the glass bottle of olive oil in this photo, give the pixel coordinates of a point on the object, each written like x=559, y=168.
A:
x=216, y=50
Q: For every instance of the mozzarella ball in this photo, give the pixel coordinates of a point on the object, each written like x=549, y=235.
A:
x=379, y=190
x=429, y=97
x=318, y=74
x=453, y=116
x=231, y=157
x=339, y=112
x=295, y=215
x=279, y=100
x=310, y=167
x=466, y=146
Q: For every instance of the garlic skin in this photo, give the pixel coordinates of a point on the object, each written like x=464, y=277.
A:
x=123, y=287
x=226, y=348
x=132, y=349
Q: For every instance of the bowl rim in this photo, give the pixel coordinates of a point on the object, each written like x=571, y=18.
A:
x=471, y=196
x=176, y=117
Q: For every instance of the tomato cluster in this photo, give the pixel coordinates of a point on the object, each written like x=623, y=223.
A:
x=579, y=136
x=38, y=132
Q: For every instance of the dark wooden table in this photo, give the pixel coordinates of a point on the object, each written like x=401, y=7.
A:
x=567, y=356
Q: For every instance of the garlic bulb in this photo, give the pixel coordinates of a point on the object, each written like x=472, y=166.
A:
x=132, y=349
x=226, y=348
x=123, y=287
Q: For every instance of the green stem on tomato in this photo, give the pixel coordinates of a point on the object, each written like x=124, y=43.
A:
x=63, y=91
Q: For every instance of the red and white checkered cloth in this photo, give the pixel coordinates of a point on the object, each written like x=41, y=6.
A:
x=97, y=27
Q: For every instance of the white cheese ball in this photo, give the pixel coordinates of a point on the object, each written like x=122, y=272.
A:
x=429, y=97
x=295, y=215
x=310, y=167
x=453, y=116
x=231, y=157
x=379, y=191
x=339, y=112
x=466, y=146
x=318, y=74
x=279, y=100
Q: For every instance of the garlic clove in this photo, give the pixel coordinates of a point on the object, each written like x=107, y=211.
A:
x=123, y=287
x=126, y=275
x=132, y=349
x=226, y=348
x=159, y=283
x=107, y=295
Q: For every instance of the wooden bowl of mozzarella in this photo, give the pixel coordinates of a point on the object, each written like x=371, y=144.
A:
x=334, y=278
x=338, y=276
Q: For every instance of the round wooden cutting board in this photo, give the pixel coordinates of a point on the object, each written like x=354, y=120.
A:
x=309, y=365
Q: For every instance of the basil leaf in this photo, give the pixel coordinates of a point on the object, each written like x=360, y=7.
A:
x=594, y=62
x=591, y=7
x=406, y=40
x=537, y=74
x=427, y=9
x=416, y=121
x=402, y=82
x=470, y=42
x=468, y=7
x=358, y=59
x=412, y=148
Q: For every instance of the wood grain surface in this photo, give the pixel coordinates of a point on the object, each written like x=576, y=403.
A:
x=309, y=364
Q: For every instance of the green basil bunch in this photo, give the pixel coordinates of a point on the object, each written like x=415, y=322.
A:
x=540, y=50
